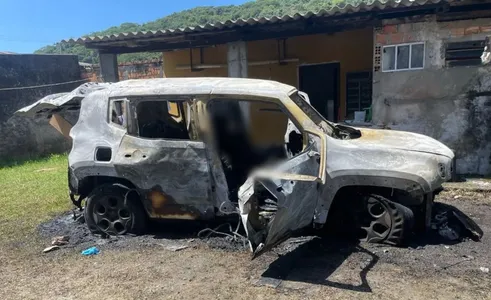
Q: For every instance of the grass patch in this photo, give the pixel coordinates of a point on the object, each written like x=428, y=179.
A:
x=30, y=193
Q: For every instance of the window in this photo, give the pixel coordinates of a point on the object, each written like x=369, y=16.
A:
x=403, y=57
x=464, y=53
x=118, y=113
x=160, y=119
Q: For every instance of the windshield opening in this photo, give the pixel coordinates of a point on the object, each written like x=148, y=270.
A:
x=302, y=101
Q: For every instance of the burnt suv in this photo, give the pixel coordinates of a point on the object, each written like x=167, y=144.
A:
x=201, y=148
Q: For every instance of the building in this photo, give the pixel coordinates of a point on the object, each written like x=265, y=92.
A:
x=411, y=65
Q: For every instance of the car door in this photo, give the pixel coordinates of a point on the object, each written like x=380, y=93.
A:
x=277, y=202
x=173, y=173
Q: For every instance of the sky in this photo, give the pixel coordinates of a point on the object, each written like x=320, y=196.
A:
x=27, y=25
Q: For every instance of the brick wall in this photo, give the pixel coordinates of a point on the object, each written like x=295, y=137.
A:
x=140, y=70
x=411, y=32
x=434, y=34
x=133, y=70
x=437, y=100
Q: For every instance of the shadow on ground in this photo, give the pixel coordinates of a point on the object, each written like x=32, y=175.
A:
x=316, y=260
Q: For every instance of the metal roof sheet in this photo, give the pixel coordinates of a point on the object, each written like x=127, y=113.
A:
x=229, y=24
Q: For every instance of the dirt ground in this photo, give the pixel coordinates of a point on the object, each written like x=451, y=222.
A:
x=148, y=267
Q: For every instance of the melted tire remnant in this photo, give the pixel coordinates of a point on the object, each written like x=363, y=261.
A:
x=390, y=222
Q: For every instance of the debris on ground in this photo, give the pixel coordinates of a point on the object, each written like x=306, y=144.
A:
x=90, y=251
x=471, y=227
x=453, y=225
x=60, y=240
x=484, y=270
x=269, y=282
x=174, y=248
x=50, y=248
x=232, y=236
x=466, y=258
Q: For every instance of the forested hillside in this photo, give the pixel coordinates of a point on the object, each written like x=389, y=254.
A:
x=197, y=16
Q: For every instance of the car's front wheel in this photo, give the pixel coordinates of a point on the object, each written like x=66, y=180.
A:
x=385, y=221
x=109, y=211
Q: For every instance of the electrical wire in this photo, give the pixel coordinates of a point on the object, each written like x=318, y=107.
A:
x=234, y=234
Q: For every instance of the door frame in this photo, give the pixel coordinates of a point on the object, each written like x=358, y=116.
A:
x=337, y=101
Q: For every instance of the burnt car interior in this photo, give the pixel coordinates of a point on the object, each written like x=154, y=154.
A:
x=118, y=113
x=246, y=141
x=160, y=119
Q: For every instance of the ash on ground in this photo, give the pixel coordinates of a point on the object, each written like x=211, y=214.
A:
x=163, y=234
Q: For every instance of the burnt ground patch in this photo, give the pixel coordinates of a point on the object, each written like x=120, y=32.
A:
x=167, y=234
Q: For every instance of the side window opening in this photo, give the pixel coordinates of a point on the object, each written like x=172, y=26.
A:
x=119, y=113
x=160, y=119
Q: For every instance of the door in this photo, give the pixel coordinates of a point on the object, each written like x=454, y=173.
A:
x=276, y=203
x=321, y=83
x=158, y=156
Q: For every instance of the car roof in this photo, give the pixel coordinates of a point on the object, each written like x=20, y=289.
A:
x=200, y=86
x=156, y=87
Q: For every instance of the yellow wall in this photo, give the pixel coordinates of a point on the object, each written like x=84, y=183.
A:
x=268, y=124
x=211, y=55
x=352, y=49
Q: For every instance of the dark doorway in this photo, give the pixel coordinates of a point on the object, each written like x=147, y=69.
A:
x=321, y=83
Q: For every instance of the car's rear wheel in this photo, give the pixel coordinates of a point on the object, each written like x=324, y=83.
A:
x=109, y=211
x=384, y=221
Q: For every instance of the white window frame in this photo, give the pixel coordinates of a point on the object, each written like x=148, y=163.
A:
x=410, y=56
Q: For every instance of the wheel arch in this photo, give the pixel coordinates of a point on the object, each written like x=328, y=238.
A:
x=408, y=189
x=89, y=183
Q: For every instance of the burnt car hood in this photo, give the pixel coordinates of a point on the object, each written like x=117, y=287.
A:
x=401, y=140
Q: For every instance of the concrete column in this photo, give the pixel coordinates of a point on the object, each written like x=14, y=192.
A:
x=237, y=59
x=109, y=67
x=237, y=67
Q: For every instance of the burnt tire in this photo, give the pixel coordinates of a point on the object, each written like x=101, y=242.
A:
x=107, y=212
x=391, y=223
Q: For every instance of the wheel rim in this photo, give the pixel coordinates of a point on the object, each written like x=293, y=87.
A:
x=112, y=216
x=379, y=221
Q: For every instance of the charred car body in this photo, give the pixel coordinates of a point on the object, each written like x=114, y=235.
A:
x=200, y=148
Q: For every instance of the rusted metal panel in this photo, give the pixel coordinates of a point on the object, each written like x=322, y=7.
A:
x=166, y=207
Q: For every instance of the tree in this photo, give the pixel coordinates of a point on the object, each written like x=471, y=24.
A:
x=197, y=16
